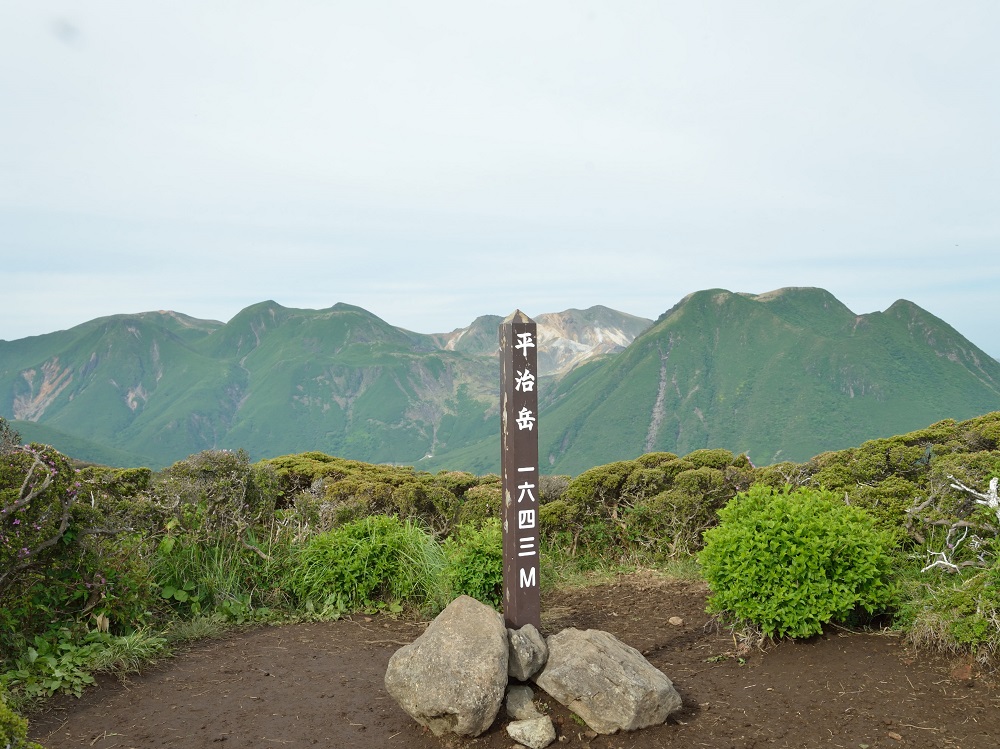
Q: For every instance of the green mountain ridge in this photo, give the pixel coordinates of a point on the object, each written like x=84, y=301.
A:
x=784, y=375
x=780, y=376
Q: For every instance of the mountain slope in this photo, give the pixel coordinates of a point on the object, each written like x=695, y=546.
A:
x=272, y=380
x=784, y=375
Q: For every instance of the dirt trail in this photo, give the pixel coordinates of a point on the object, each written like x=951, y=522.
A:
x=321, y=685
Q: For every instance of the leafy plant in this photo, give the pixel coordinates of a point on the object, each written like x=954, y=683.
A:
x=239, y=582
x=791, y=561
x=51, y=666
x=65, y=662
x=474, y=565
x=374, y=563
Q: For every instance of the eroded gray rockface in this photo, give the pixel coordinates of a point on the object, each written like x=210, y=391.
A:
x=606, y=682
x=453, y=677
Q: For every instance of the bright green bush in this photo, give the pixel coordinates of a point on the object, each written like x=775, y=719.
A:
x=790, y=561
x=474, y=562
x=369, y=564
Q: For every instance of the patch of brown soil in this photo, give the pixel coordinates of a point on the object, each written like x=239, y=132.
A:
x=321, y=685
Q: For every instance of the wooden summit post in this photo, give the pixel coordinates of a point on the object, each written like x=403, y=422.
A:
x=519, y=472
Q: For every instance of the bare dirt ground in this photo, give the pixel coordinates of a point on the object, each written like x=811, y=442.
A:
x=309, y=685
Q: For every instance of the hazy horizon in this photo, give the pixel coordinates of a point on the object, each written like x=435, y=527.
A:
x=437, y=162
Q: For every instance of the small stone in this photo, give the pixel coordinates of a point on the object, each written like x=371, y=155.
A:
x=537, y=733
x=675, y=620
x=962, y=672
x=527, y=654
x=520, y=705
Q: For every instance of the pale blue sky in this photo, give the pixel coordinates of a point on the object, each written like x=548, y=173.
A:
x=435, y=161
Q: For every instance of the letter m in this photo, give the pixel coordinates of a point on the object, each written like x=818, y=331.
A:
x=528, y=578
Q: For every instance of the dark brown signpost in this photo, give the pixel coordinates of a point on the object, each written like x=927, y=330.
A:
x=519, y=460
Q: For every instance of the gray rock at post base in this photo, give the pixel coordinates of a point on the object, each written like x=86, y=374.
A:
x=528, y=652
x=606, y=682
x=536, y=733
x=520, y=705
x=453, y=677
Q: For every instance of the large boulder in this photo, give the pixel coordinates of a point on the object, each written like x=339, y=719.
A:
x=453, y=677
x=606, y=682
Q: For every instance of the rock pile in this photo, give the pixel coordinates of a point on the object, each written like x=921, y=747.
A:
x=454, y=677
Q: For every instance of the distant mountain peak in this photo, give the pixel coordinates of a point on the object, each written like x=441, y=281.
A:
x=566, y=339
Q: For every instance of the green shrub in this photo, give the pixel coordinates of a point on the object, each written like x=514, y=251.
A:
x=369, y=564
x=598, y=489
x=61, y=559
x=227, y=577
x=981, y=433
x=351, y=490
x=674, y=521
x=480, y=504
x=9, y=437
x=14, y=729
x=887, y=501
x=123, y=495
x=791, y=561
x=218, y=492
x=474, y=562
x=783, y=474
x=550, y=488
x=655, y=460
x=715, y=458
x=953, y=612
